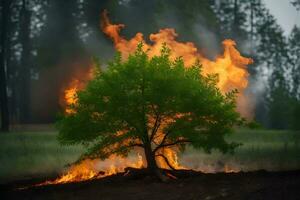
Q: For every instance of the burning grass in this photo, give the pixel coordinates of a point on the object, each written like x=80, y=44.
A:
x=26, y=155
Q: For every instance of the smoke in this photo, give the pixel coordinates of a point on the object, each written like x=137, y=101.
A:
x=95, y=44
x=46, y=92
x=210, y=44
x=198, y=32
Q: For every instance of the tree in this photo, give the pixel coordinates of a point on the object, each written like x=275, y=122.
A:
x=253, y=26
x=62, y=56
x=232, y=19
x=3, y=83
x=296, y=3
x=294, y=52
x=61, y=21
x=271, y=57
x=24, y=90
x=281, y=108
x=25, y=21
x=152, y=104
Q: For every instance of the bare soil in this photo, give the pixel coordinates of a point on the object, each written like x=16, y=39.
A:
x=188, y=185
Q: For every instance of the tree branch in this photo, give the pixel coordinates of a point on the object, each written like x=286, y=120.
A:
x=156, y=125
x=164, y=138
x=167, y=161
x=126, y=147
x=170, y=144
x=94, y=154
x=132, y=145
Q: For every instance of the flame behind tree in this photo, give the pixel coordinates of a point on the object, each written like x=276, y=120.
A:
x=231, y=67
x=153, y=104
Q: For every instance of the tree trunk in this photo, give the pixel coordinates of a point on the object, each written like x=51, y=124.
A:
x=3, y=59
x=252, y=25
x=235, y=19
x=24, y=86
x=151, y=163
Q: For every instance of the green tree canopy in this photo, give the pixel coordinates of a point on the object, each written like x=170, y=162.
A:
x=153, y=104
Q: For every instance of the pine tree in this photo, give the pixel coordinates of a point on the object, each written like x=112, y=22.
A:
x=296, y=3
x=61, y=53
x=25, y=22
x=5, y=8
x=232, y=19
x=273, y=55
x=25, y=63
x=294, y=52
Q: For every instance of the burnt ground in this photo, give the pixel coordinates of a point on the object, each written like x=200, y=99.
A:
x=189, y=185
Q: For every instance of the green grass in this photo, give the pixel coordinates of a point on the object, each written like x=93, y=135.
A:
x=27, y=154
x=261, y=149
x=30, y=154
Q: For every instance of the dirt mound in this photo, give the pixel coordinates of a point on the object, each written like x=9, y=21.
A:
x=137, y=184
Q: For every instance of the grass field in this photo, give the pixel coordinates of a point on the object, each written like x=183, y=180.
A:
x=261, y=149
x=30, y=154
x=27, y=154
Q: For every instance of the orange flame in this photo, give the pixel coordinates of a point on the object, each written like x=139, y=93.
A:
x=69, y=93
x=92, y=169
x=231, y=68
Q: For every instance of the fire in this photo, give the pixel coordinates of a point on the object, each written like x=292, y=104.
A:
x=83, y=171
x=69, y=93
x=171, y=155
x=91, y=169
x=231, y=68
